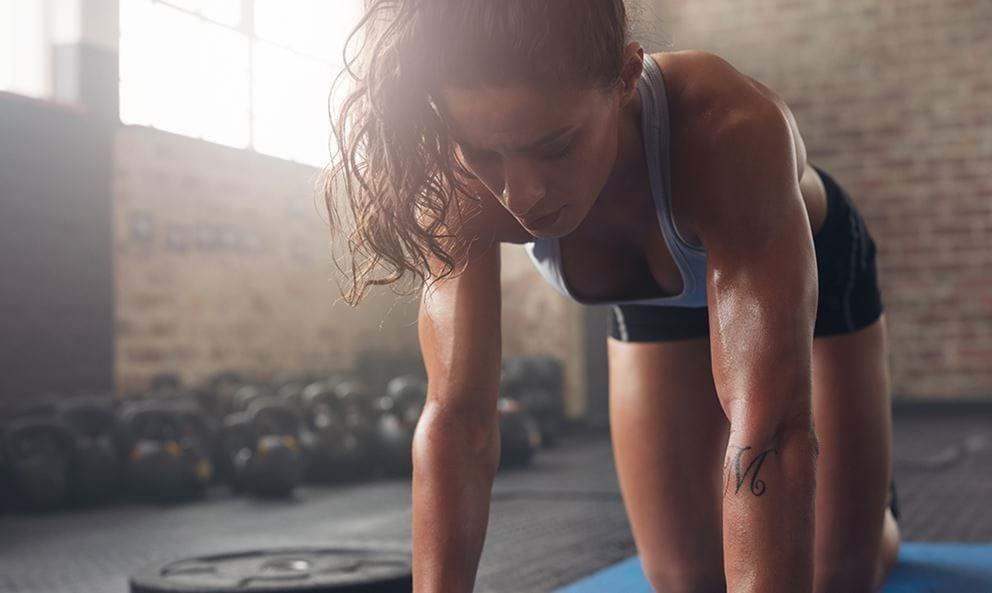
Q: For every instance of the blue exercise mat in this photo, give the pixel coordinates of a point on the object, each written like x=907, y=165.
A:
x=922, y=568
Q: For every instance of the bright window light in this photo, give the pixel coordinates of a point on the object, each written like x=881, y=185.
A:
x=225, y=12
x=197, y=87
x=313, y=27
x=24, y=53
x=290, y=104
x=195, y=67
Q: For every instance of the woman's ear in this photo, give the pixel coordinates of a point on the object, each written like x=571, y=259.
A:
x=633, y=65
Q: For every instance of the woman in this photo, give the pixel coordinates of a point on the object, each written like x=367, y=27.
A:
x=745, y=304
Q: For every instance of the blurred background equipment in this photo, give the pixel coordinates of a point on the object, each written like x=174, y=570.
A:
x=351, y=569
x=166, y=459
x=397, y=412
x=275, y=466
x=97, y=470
x=520, y=435
x=259, y=436
x=40, y=450
x=538, y=383
x=336, y=448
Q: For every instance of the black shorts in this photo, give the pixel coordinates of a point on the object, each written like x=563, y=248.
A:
x=849, y=297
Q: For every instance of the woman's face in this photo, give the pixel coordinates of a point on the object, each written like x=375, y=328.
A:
x=545, y=153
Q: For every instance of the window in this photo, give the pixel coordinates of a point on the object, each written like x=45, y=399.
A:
x=24, y=47
x=243, y=73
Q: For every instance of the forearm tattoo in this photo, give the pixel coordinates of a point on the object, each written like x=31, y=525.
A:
x=757, y=486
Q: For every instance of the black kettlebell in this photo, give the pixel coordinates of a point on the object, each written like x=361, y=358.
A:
x=357, y=406
x=393, y=442
x=276, y=466
x=398, y=412
x=536, y=382
x=200, y=432
x=238, y=445
x=333, y=451
x=520, y=436
x=409, y=392
x=97, y=471
x=245, y=395
x=40, y=450
x=164, y=461
x=221, y=388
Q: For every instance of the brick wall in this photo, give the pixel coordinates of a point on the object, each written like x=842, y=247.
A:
x=895, y=100
x=222, y=261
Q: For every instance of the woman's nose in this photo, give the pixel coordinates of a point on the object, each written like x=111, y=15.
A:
x=521, y=194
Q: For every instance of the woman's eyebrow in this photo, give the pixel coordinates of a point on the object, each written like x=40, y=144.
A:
x=541, y=142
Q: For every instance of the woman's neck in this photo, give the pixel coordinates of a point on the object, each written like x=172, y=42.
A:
x=622, y=198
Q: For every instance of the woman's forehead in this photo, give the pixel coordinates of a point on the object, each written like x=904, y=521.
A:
x=512, y=115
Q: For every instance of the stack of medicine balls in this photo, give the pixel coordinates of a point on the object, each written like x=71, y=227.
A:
x=260, y=438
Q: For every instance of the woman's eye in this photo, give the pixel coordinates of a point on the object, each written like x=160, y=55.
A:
x=476, y=156
x=560, y=154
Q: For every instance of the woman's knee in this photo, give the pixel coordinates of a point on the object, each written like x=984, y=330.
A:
x=847, y=581
x=665, y=579
x=855, y=573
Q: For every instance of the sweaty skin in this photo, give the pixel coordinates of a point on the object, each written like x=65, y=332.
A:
x=602, y=181
x=578, y=153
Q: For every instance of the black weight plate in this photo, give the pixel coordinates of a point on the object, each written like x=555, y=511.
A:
x=346, y=569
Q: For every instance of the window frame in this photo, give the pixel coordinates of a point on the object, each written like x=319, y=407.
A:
x=246, y=27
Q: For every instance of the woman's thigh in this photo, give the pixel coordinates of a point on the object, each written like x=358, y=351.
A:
x=851, y=401
x=853, y=420
x=669, y=438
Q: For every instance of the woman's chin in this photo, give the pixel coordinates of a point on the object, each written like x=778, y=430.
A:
x=562, y=227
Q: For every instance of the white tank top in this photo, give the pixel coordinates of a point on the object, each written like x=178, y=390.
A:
x=690, y=259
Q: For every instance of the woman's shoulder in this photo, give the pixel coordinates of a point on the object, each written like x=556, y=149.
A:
x=708, y=97
x=707, y=94
x=706, y=90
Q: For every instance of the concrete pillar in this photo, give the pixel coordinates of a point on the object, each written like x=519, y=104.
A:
x=85, y=55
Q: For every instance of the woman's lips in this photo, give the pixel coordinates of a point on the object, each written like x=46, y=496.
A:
x=544, y=221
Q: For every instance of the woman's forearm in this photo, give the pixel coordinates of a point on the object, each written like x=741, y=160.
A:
x=454, y=463
x=768, y=512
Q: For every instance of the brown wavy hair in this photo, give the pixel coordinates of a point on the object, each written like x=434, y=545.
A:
x=396, y=176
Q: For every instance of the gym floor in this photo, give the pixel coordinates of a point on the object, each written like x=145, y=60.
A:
x=552, y=523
